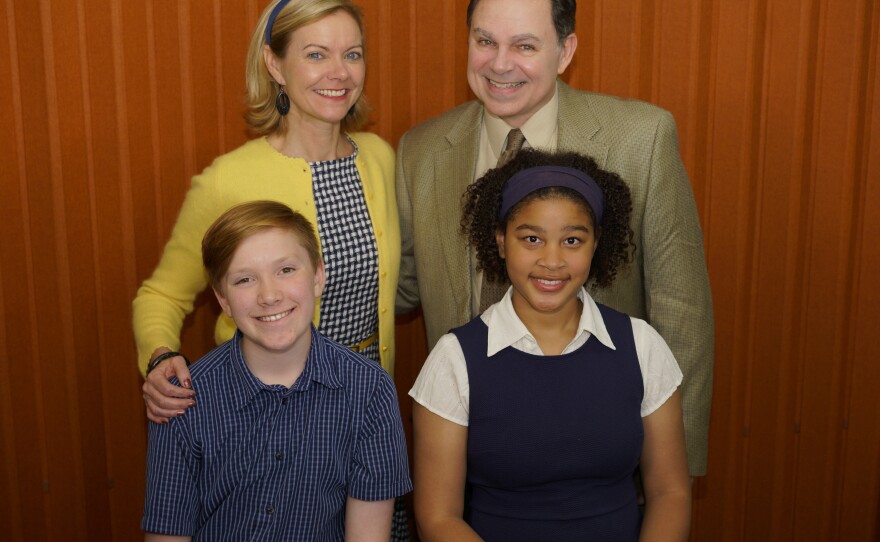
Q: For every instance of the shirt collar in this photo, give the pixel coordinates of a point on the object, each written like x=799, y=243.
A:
x=540, y=129
x=506, y=329
x=318, y=368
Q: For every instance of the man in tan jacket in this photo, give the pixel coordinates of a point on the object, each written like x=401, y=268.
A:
x=517, y=50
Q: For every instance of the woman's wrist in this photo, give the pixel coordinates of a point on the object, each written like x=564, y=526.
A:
x=160, y=357
x=158, y=352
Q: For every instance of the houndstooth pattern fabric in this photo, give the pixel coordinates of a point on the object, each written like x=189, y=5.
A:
x=400, y=521
x=350, y=303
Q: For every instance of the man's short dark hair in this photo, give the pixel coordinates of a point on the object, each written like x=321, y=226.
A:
x=562, y=11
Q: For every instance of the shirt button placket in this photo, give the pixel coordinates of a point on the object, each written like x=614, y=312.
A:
x=278, y=454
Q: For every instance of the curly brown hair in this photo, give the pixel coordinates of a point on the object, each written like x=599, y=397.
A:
x=482, y=201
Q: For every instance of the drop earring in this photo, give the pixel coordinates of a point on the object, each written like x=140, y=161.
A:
x=282, y=102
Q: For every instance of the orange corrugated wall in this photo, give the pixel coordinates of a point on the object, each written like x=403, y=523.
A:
x=107, y=108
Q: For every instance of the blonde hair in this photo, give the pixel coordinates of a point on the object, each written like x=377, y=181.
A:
x=262, y=88
x=244, y=220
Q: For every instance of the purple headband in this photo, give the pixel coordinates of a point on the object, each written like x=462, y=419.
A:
x=278, y=7
x=527, y=181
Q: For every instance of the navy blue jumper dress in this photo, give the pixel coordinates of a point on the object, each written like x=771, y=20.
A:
x=553, y=441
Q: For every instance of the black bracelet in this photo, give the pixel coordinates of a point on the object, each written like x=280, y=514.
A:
x=162, y=357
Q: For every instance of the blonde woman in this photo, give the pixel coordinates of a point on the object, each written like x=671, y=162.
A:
x=305, y=78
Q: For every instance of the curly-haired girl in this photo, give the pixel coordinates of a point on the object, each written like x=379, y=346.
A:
x=540, y=409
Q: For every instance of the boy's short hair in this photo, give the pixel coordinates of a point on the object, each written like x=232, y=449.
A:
x=244, y=220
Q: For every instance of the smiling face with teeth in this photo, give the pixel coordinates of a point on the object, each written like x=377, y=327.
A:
x=515, y=56
x=547, y=246
x=269, y=290
x=323, y=69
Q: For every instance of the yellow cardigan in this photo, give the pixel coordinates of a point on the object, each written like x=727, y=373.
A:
x=257, y=171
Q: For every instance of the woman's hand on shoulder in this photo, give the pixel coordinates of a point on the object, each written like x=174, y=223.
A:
x=163, y=399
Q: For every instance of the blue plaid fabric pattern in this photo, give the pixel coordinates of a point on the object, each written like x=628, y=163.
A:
x=350, y=303
x=257, y=462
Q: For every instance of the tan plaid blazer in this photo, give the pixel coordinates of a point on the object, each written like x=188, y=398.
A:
x=667, y=284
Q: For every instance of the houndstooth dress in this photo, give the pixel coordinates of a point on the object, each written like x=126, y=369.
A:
x=350, y=302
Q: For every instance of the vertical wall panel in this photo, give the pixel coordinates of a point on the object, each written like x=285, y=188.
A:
x=86, y=300
x=20, y=476
x=109, y=108
x=617, y=48
x=86, y=407
x=667, y=61
x=771, y=408
x=119, y=145
x=830, y=240
x=858, y=497
x=726, y=235
x=40, y=257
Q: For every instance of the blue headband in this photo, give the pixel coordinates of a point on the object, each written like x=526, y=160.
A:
x=529, y=180
x=278, y=7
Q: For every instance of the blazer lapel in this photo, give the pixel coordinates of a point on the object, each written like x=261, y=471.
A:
x=578, y=129
x=453, y=173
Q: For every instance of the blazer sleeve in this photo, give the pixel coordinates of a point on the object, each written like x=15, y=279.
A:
x=677, y=291
x=407, y=286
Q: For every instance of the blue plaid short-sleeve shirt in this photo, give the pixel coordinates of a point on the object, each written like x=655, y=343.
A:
x=258, y=462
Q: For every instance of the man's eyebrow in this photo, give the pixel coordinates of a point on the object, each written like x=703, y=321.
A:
x=478, y=30
x=517, y=38
x=526, y=37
